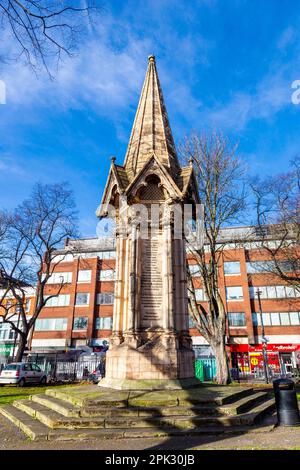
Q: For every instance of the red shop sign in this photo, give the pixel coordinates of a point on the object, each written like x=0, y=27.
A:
x=271, y=347
x=276, y=347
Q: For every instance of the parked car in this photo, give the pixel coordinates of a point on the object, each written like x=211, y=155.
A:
x=21, y=373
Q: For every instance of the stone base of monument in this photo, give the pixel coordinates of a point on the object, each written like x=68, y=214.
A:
x=163, y=384
x=155, y=365
x=87, y=412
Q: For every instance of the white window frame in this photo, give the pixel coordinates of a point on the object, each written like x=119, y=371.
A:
x=110, y=294
x=88, y=299
x=100, y=322
x=80, y=329
x=85, y=280
x=227, y=264
x=61, y=300
x=230, y=314
x=60, y=278
x=235, y=299
x=45, y=327
x=104, y=279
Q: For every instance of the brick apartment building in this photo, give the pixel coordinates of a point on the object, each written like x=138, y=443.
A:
x=82, y=313
x=8, y=340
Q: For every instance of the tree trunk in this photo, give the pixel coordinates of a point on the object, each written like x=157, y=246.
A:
x=21, y=347
x=223, y=375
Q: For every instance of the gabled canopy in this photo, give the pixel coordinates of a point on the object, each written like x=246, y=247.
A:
x=151, y=150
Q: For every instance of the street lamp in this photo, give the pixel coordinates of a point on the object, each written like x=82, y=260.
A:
x=263, y=339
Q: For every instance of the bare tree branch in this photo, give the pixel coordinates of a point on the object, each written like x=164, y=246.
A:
x=220, y=178
x=29, y=239
x=45, y=30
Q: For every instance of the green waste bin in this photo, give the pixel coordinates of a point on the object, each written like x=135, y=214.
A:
x=199, y=370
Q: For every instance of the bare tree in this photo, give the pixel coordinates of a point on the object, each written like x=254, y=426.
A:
x=219, y=174
x=277, y=206
x=44, y=30
x=33, y=234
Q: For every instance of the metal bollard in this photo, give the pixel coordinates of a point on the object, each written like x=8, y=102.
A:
x=286, y=402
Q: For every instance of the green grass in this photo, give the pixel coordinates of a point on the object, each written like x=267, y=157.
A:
x=10, y=393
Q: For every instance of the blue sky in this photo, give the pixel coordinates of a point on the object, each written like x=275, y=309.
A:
x=224, y=66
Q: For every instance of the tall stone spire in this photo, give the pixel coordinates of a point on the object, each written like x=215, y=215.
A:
x=151, y=132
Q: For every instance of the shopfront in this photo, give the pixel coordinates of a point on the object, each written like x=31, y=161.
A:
x=282, y=358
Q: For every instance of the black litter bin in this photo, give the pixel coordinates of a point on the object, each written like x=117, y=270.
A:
x=286, y=402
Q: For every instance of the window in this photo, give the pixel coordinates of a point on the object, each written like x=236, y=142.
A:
x=107, y=275
x=80, y=323
x=62, y=300
x=194, y=269
x=18, y=307
x=103, y=323
x=66, y=258
x=281, y=292
x=107, y=254
x=60, y=278
x=105, y=298
x=236, y=319
x=290, y=291
x=97, y=254
x=284, y=318
x=200, y=295
x=234, y=293
x=6, y=332
x=232, y=267
x=277, y=319
x=27, y=305
x=84, y=275
x=273, y=292
x=191, y=322
x=82, y=299
x=266, y=319
x=295, y=318
x=259, y=267
x=51, y=324
x=270, y=266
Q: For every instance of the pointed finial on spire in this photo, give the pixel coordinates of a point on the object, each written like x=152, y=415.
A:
x=151, y=132
x=191, y=161
x=113, y=159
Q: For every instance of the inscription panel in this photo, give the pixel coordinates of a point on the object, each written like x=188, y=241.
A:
x=151, y=284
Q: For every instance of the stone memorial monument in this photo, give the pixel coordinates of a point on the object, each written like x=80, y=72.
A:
x=150, y=346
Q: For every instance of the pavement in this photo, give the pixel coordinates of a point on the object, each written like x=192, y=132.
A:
x=265, y=438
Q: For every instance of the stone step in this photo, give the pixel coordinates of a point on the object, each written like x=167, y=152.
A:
x=40, y=423
x=148, y=399
x=38, y=431
x=261, y=410
x=244, y=404
x=62, y=407
x=89, y=434
x=109, y=399
x=55, y=420
x=31, y=427
x=69, y=410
